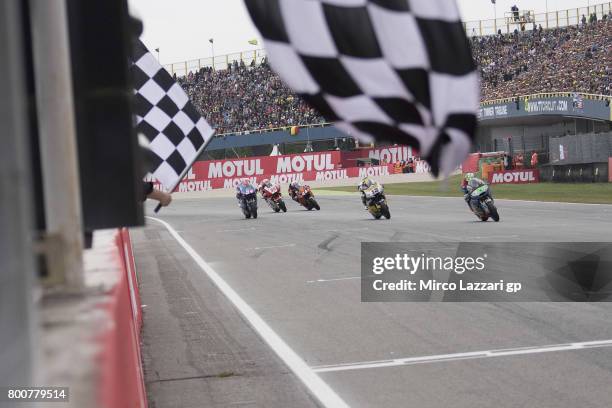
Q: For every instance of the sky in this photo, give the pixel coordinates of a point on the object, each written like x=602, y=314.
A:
x=181, y=28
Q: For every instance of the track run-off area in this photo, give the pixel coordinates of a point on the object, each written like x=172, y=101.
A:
x=267, y=312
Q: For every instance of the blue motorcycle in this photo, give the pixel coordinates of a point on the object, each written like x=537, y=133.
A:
x=247, y=197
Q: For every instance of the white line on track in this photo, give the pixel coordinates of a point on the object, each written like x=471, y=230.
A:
x=463, y=356
x=332, y=280
x=270, y=247
x=323, y=392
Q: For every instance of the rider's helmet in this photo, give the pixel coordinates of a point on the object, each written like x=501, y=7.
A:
x=295, y=185
x=266, y=182
x=468, y=177
x=366, y=182
x=245, y=182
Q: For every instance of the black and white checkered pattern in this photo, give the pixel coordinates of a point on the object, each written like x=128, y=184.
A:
x=164, y=114
x=389, y=70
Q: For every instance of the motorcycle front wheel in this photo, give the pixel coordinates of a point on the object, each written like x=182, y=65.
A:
x=384, y=209
x=494, y=213
x=282, y=206
x=314, y=204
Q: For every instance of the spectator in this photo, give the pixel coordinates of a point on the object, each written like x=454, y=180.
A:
x=515, y=12
x=534, y=160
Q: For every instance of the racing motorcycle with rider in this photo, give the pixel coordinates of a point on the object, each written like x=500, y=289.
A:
x=373, y=198
x=303, y=195
x=479, y=198
x=246, y=193
x=271, y=193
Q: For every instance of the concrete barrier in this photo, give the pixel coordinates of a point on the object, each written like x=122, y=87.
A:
x=122, y=381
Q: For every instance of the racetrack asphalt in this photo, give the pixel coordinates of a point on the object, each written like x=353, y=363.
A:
x=299, y=272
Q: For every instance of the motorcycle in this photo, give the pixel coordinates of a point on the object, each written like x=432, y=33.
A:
x=486, y=205
x=376, y=202
x=248, y=201
x=274, y=198
x=306, y=198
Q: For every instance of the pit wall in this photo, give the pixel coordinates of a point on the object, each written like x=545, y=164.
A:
x=308, y=167
x=121, y=379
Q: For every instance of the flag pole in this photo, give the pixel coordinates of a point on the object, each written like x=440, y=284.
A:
x=212, y=48
x=495, y=17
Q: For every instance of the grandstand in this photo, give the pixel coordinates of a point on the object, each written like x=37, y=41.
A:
x=244, y=95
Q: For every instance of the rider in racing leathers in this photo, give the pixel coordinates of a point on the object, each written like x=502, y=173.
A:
x=243, y=185
x=469, y=184
x=365, y=184
x=264, y=188
x=294, y=188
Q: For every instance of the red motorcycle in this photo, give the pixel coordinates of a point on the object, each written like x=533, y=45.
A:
x=272, y=195
x=306, y=198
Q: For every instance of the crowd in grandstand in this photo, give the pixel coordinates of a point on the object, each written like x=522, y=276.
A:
x=243, y=98
x=530, y=60
x=574, y=58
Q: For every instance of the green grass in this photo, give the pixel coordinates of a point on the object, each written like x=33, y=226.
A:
x=596, y=193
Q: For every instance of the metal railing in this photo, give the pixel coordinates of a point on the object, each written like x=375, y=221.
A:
x=218, y=62
x=275, y=129
x=525, y=19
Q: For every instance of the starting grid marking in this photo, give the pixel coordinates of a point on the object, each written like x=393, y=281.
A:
x=463, y=356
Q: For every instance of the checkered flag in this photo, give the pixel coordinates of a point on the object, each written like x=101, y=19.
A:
x=386, y=70
x=164, y=114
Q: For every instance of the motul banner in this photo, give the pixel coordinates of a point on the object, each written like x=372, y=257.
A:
x=515, y=176
x=255, y=166
x=315, y=166
x=194, y=182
